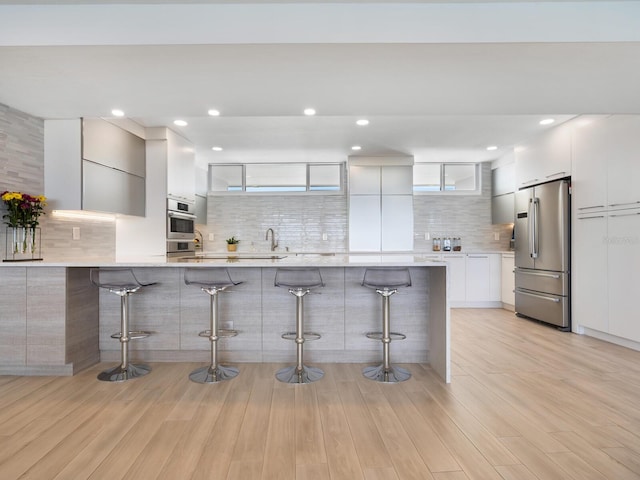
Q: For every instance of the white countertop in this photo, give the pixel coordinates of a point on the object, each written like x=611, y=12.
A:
x=244, y=260
x=260, y=259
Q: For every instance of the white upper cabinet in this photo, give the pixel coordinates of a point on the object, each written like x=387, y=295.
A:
x=623, y=161
x=397, y=180
x=364, y=180
x=181, y=173
x=380, y=205
x=546, y=158
x=590, y=156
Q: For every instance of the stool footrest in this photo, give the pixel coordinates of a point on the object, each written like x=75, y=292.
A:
x=133, y=335
x=221, y=333
x=392, y=335
x=308, y=336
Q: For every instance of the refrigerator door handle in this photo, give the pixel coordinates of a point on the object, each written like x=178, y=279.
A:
x=554, y=300
x=535, y=227
x=530, y=228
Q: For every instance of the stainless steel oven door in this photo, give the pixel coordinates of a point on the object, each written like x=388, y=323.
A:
x=181, y=226
x=180, y=249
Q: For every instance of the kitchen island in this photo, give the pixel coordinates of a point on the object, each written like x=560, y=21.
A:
x=53, y=321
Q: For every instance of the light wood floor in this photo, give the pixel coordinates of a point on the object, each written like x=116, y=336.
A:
x=526, y=402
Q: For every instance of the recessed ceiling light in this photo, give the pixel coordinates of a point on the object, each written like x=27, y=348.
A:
x=216, y=149
x=547, y=121
x=309, y=112
x=180, y=123
x=214, y=113
x=117, y=112
x=362, y=122
x=492, y=148
x=356, y=147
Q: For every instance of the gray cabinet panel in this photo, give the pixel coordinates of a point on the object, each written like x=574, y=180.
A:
x=109, y=190
x=112, y=146
x=502, y=209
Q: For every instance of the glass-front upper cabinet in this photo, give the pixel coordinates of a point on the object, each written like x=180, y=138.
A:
x=446, y=177
x=276, y=178
x=226, y=178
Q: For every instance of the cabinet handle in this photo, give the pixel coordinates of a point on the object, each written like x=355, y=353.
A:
x=554, y=300
x=595, y=206
x=554, y=174
x=622, y=204
x=530, y=181
x=477, y=256
x=625, y=214
x=590, y=218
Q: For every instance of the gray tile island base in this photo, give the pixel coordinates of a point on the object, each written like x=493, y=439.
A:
x=53, y=321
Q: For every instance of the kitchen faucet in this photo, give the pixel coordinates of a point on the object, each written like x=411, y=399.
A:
x=274, y=245
x=198, y=240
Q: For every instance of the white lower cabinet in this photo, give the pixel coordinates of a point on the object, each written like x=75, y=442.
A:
x=508, y=280
x=589, y=272
x=474, y=279
x=457, y=277
x=624, y=267
x=606, y=273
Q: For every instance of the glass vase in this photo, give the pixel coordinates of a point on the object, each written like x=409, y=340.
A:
x=22, y=244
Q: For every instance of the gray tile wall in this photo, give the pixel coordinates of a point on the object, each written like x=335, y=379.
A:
x=22, y=170
x=21, y=152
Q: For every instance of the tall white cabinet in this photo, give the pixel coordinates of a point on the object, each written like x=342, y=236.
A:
x=606, y=230
x=380, y=204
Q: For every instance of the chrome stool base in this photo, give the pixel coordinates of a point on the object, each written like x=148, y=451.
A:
x=306, y=375
x=119, y=374
x=213, y=375
x=391, y=375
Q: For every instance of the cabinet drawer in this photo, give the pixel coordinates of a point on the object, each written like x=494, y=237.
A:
x=552, y=282
x=541, y=306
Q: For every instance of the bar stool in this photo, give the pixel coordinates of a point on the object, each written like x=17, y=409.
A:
x=212, y=281
x=299, y=281
x=123, y=283
x=386, y=281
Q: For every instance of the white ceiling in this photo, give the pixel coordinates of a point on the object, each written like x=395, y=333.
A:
x=438, y=100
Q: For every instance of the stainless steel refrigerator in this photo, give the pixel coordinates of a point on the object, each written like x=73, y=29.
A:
x=543, y=253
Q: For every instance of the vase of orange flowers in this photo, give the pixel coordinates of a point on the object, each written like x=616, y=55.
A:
x=22, y=219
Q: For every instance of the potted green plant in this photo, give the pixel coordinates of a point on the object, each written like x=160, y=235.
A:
x=232, y=244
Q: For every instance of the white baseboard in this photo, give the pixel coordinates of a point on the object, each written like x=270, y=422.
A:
x=607, y=337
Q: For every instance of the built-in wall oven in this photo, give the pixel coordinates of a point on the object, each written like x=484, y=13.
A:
x=181, y=227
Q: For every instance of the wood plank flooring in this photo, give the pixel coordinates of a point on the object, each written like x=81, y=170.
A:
x=526, y=402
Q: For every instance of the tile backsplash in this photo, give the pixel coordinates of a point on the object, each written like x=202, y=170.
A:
x=298, y=221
